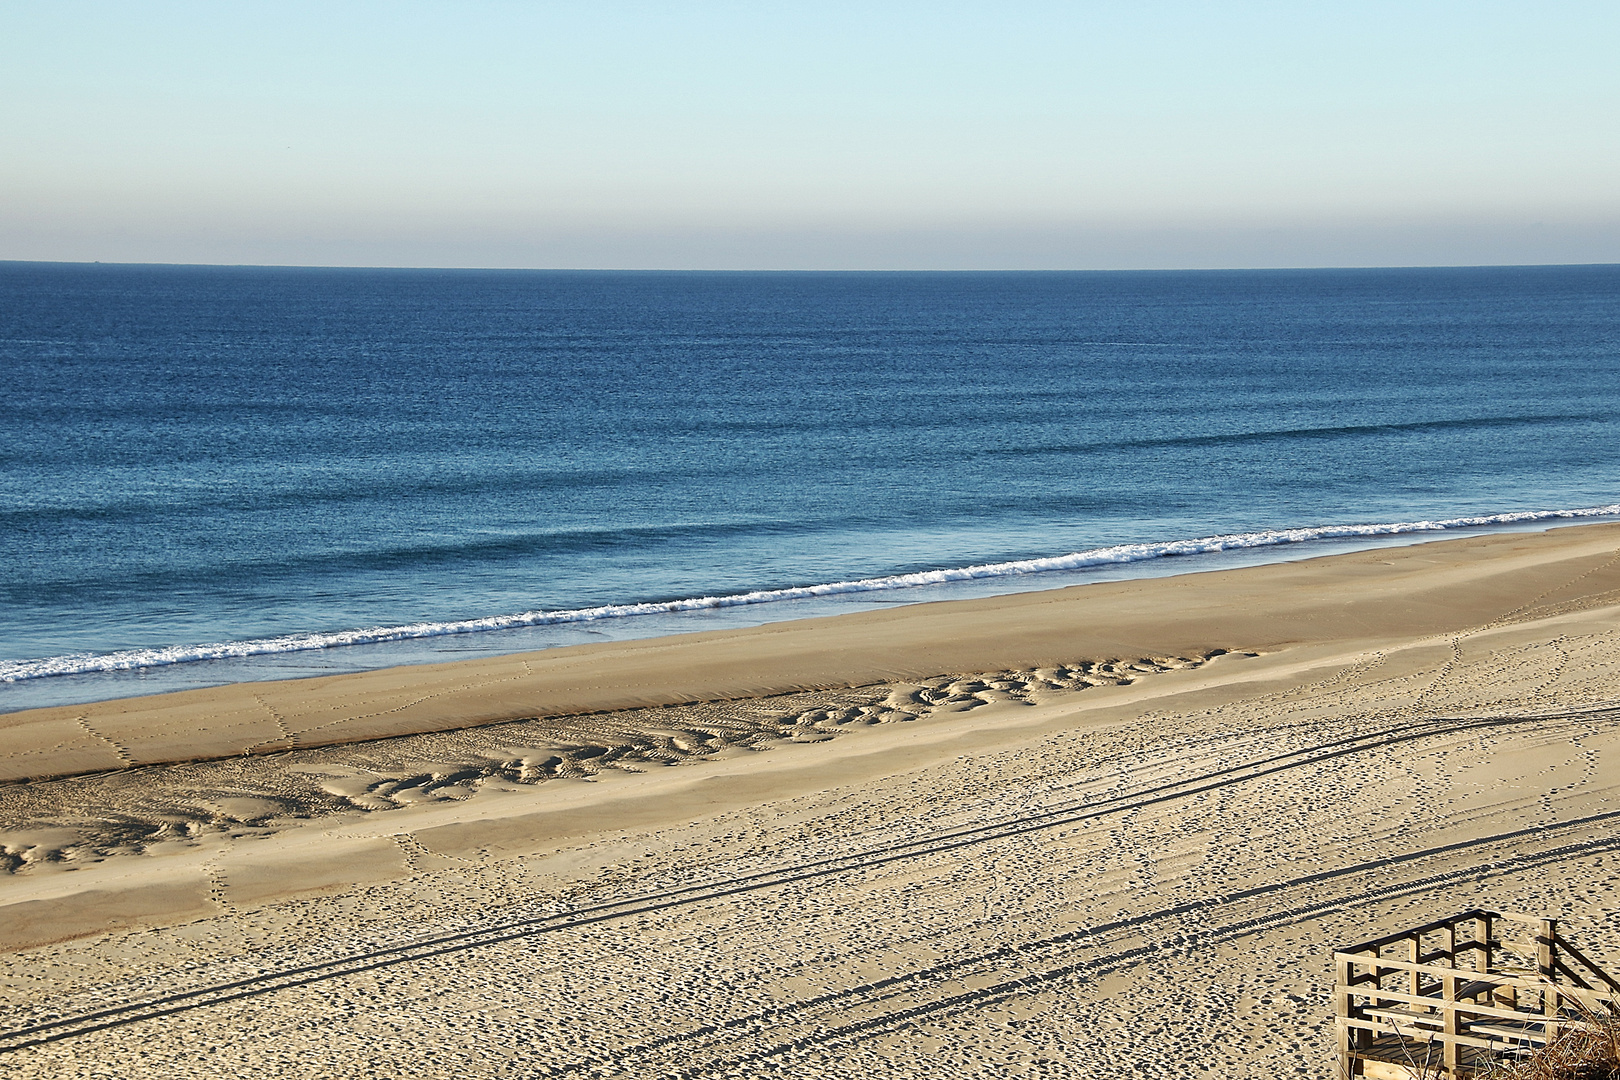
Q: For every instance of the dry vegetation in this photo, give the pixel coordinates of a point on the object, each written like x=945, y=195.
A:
x=1592, y=1053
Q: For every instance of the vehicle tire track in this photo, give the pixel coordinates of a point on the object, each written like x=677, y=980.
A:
x=1208, y=934
x=68, y=1026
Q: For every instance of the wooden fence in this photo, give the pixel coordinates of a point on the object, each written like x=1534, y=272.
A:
x=1449, y=999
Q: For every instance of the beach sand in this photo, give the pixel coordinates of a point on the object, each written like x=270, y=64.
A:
x=1103, y=831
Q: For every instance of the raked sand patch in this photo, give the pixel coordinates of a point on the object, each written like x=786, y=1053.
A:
x=1104, y=853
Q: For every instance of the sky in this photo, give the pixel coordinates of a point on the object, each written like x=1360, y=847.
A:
x=811, y=135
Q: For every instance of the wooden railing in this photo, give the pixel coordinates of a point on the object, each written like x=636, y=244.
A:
x=1450, y=990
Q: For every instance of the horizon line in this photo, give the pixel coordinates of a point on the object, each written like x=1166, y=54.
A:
x=802, y=270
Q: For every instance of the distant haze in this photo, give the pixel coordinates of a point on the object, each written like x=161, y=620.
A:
x=714, y=135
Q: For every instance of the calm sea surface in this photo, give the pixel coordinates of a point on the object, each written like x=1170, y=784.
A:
x=211, y=474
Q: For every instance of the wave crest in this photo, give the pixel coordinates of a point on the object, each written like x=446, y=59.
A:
x=132, y=659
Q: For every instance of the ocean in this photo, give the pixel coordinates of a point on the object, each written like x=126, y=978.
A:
x=210, y=474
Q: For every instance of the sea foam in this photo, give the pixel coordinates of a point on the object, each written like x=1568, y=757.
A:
x=131, y=659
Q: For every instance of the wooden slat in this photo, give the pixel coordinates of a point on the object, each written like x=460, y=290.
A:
x=1436, y=970
x=1458, y=1006
x=1427, y=928
x=1573, y=993
x=1404, y=1016
x=1421, y=1034
x=1514, y=916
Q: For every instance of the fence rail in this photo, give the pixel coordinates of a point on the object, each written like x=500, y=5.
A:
x=1450, y=1006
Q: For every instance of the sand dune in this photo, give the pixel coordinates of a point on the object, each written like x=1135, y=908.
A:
x=1097, y=832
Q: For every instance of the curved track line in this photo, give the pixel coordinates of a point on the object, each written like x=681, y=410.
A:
x=63, y=1027
x=1098, y=965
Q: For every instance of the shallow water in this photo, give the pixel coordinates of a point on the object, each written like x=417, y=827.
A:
x=204, y=462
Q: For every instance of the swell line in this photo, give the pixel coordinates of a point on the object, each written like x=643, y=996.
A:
x=1238, y=438
x=1119, y=554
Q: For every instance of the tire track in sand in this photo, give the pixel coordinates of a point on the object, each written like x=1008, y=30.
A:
x=58, y=1027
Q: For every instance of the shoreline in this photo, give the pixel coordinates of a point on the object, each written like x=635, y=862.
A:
x=304, y=655
x=1371, y=594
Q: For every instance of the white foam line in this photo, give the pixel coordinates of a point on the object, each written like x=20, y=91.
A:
x=131, y=659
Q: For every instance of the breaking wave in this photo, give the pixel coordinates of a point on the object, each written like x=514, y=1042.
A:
x=131, y=659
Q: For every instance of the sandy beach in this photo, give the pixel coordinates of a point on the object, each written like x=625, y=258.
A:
x=1101, y=831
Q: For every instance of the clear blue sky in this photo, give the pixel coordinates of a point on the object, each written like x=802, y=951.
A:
x=822, y=135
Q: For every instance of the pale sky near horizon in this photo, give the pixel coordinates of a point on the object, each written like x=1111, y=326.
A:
x=826, y=135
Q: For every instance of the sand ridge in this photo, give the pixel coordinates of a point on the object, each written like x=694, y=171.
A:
x=55, y=824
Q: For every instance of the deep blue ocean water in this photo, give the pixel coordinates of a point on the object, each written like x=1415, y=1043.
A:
x=204, y=461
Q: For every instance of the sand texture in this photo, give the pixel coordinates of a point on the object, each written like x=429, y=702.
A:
x=1110, y=831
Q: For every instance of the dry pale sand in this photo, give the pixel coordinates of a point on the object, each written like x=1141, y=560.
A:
x=1122, y=844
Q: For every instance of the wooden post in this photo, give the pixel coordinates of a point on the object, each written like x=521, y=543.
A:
x=1348, y=1038
x=1450, y=1026
x=1377, y=976
x=1482, y=938
x=1546, y=966
x=1414, y=949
